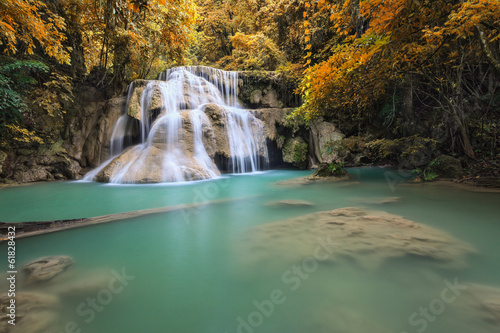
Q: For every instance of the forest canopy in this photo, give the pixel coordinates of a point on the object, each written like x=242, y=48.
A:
x=383, y=68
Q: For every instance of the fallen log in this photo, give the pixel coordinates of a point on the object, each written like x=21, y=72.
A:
x=35, y=228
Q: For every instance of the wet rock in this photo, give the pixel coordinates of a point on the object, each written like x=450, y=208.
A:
x=367, y=237
x=46, y=268
x=157, y=162
x=290, y=202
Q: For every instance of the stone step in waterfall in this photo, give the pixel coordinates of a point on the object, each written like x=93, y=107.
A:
x=180, y=123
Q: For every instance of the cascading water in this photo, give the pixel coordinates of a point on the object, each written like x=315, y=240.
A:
x=186, y=118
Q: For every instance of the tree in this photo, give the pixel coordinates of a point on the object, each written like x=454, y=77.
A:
x=23, y=23
x=425, y=50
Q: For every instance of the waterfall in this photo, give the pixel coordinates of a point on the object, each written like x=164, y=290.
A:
x=186, y=118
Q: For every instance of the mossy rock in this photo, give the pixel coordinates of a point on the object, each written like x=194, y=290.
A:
x=446, y=166
x=295, y=152
x=323, y=170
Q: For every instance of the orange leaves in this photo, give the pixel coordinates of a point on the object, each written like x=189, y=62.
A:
x=21, y=20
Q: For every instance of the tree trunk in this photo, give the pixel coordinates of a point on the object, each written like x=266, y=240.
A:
x=485, y=46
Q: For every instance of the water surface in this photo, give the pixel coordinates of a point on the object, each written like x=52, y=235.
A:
x=191, y=275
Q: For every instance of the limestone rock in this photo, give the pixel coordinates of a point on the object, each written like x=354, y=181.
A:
x=46, y=268
x=94, y=148
x=265, y=97
x=367, y=237
x=156, y=162
x=273, y=119
x=218, y=117
x=322, y=133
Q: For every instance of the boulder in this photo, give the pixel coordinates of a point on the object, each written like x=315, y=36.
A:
x=446, y=166
x=322, y=134
x=160, y=159
x=46, y=268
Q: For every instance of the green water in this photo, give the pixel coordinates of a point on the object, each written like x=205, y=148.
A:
x=191, y=275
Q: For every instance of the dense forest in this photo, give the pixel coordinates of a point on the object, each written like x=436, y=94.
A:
x=403, y=79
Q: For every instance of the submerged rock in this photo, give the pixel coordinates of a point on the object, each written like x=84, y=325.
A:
x=290, y=202
x=367, y=237
x=36, y=322
x=81, y=285
x=341, y=320
x=46, y=268
x=482, y=302
x=378, y=201
x=300, y=181
x=34, y=312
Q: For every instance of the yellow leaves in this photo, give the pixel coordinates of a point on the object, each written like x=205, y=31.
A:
x=23, y=135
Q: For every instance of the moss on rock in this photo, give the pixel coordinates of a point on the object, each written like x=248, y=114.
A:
x=446, y=166
x=295, y=152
